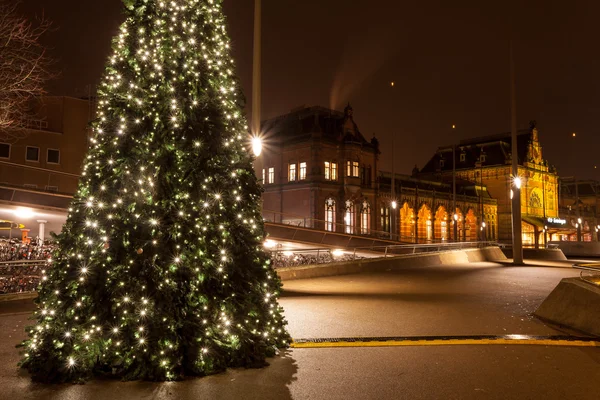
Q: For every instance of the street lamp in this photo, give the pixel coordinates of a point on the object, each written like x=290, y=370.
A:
x=455, y=216
x=257, y=145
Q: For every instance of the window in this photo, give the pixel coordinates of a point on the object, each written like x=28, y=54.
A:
x=292, y=173
x=272, y=175
x=352, y=168
x=349, y=222
x=264, y=180
x=32, y=154
x=330, y=171
x=385, y=218
x=302, y=171
x=4, y=150
x=365, y=218
x=53, y=156
x=441, y=163
x=463, y=157
x=482, y=158
x=330, y=215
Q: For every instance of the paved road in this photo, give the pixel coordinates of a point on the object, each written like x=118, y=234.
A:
x=463, y=300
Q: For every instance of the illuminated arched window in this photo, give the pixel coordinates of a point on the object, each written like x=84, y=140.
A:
x=330, y=215
x=349, y=217
x=365, y=218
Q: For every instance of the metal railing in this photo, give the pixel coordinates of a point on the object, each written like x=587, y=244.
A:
x=592, y=269
x=298, y=221
x=323, y=255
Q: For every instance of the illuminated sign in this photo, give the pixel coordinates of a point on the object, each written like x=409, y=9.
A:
x=557, y=221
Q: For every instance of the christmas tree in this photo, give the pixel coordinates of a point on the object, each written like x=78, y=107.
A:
x=161, y=272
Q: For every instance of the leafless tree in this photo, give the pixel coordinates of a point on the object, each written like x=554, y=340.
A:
x=24, y=69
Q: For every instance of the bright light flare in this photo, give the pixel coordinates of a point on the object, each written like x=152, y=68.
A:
x=257, y=146
x=269, y=244
x=518, y=182
x=24, y=212
x=337, y=253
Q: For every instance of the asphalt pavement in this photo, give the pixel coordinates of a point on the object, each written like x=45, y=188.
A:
x=474, y=299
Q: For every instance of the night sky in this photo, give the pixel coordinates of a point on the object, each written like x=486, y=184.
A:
x=448, y=59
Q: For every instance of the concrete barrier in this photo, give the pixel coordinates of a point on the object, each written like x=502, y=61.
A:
x=391, y=263
x=539, y=254
x=579, y=249
x=574, y=304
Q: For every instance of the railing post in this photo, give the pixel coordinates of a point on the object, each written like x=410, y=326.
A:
x=385, y=254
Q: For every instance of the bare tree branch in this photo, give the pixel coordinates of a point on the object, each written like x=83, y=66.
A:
x=24, y=70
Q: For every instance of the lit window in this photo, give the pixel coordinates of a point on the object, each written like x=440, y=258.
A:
x=53, y=156
x=352, y=168
x=365, y=218
x=302, y=171
x=330, y=215
x=4, y=150
x=463, y=157
x=292, y=173
x=334, y=171
x=264, y=180
x=272, y=175
x=32, y=154
x=349, y=217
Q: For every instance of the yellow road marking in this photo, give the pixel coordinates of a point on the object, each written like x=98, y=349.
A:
x=450, y=342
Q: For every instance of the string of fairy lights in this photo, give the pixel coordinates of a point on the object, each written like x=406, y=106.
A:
x=170, y=64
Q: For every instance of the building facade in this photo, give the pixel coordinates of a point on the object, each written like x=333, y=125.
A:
x=487, y=162
x=579, y=210
x=318, y=170
x=41, y=170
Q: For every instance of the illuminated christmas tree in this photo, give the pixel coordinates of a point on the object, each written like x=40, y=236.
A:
x=161, y=271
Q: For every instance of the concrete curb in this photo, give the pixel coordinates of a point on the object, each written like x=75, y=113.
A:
x=391, y=263
x=17, y=296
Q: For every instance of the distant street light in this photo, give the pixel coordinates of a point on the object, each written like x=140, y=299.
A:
x=394, y=204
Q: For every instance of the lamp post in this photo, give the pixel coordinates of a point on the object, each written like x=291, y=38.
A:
x=256, y=69
x=454, y=215
x=393, y=216
x=517, y=238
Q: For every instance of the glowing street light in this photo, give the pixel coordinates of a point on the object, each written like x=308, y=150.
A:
x=23, y=212
x=257, y=146
x=394, y=204
x=518, y=182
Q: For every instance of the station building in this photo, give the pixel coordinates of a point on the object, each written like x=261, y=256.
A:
x=319, y=171
x=487, y=162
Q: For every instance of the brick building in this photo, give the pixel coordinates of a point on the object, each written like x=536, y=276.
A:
x=40, y=171
x=319, y=170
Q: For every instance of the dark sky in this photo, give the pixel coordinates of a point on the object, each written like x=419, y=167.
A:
x=448, y=59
